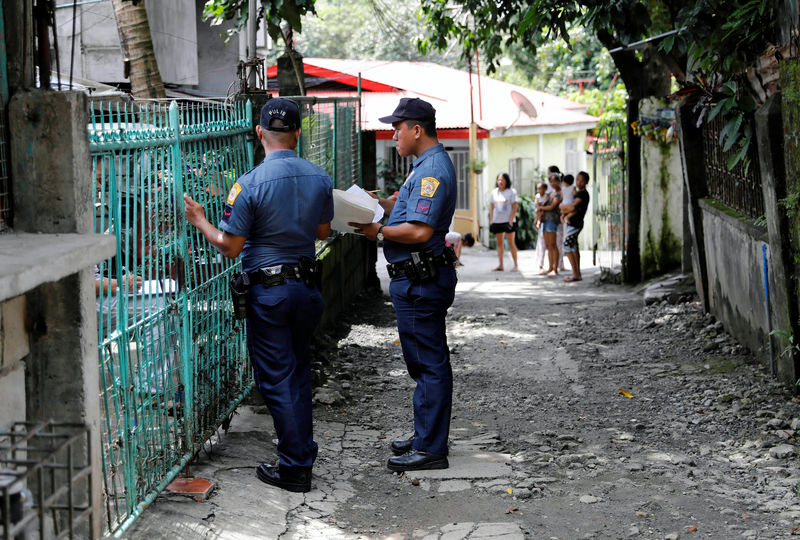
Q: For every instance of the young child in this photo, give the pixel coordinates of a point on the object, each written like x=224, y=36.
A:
x=542, y=199
x=456, y=241
x=568, y=191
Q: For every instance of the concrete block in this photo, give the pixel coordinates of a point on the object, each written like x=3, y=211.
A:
x=52, y=185
x=12, y=388
x=14, y=337
x=28, y=260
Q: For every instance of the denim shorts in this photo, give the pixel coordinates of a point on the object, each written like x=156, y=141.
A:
x=550, y=226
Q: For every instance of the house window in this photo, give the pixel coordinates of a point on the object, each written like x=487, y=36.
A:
x=571, y=156
x=400, y=166
x=460, y=159
x=523, y=175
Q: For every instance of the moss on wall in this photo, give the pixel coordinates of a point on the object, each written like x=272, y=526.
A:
x=790, y=88
x=662, y=249
x=662, y=252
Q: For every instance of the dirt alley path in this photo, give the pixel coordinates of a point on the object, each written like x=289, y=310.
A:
x=543, y=443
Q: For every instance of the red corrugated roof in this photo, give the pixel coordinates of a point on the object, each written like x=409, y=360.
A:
x=447, y=89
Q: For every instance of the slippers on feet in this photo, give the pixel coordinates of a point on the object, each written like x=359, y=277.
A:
x=571, y=279
x=498, y=269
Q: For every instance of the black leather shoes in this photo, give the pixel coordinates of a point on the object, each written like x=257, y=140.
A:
x=401, y=446
x=416, y=460
x=294, y=479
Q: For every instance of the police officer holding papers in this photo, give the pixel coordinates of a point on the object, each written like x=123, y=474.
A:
x=423, y=279
x=272, y=217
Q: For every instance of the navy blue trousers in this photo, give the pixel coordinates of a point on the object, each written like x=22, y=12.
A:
x=280, y=321
x=421, y=309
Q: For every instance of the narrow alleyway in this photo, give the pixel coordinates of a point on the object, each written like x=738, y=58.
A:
x=578, y=413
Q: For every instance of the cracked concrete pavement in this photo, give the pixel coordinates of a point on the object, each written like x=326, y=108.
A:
x=543, y=443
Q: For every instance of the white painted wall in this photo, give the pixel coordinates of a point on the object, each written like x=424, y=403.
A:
x=98, y=55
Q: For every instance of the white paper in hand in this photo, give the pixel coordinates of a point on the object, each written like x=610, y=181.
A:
x=155, y=286
x=356, y=206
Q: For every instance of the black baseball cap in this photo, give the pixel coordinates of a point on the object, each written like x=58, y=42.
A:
x=411, y=109
x=280, y=114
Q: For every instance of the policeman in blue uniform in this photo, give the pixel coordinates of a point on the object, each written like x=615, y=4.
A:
x=423, y=279
x=272, y=216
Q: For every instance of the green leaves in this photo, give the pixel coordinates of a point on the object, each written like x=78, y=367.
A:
x=274, y=13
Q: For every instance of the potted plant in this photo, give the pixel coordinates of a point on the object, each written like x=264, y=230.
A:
x=476, y=165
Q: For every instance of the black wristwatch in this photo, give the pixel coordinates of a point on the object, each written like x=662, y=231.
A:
x=379, y=236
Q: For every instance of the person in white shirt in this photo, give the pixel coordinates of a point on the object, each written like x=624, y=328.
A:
x=502, y=216
x=568, y=189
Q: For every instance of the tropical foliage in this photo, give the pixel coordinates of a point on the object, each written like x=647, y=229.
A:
x=722, y=40
x=526, y=217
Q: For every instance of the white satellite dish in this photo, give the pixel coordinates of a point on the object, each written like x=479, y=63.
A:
x=523, y=106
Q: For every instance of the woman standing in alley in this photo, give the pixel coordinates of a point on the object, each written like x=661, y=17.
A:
x=502, y=216
x=551, y=219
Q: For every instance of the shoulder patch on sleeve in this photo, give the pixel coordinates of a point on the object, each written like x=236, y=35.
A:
x=235, y=190
x=428, y=186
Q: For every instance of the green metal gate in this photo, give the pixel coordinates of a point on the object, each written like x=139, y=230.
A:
x=173, y=362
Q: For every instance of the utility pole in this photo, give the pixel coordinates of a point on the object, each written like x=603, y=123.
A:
x=252, y=28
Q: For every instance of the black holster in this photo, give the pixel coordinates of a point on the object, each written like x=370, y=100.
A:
x=311, y=272
x=421, y=266
x=239, y=284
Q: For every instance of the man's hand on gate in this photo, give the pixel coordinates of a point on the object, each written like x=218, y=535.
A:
x=194, y=211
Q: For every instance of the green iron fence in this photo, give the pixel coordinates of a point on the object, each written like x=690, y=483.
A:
x=173, y=362
x=330, y=136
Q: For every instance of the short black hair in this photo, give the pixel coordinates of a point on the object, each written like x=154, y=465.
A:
x=468, y=239
x=585, y=175
x=506, y=178
x=428, y=126
x=541, y=184
x=568, y=179
x=553, y=169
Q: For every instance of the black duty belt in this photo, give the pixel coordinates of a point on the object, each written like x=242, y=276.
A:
x=422, y=266
x=270, y=276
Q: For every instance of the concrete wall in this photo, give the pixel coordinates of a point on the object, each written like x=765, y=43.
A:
x=662, y=220
x=217, y=60
x=546, y=149
x=52, y=188
x=735, y=274
x=98, y=55
x=14, y=349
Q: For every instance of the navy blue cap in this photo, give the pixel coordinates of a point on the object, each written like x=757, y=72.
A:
x=280, y=114
x=411, y=109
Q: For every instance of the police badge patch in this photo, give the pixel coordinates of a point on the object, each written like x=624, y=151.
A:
x=428, y=186
x=235, y=190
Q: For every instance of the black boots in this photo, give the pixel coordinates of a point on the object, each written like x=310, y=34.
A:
x=294, y=479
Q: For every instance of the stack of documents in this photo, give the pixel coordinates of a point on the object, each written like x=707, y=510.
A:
x=354, y=205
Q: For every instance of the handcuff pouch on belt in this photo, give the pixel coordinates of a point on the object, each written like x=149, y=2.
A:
x=240, y=284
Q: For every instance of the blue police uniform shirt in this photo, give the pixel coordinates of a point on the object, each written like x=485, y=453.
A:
x=428, y=196
x=277, y=207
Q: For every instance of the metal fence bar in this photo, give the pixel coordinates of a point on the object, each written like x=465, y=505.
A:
x=5, y=180
x=740, y=187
